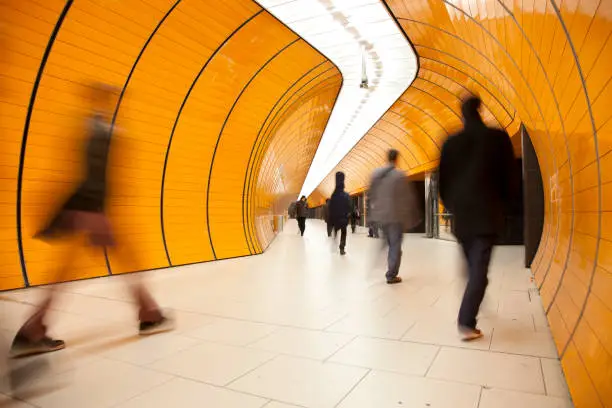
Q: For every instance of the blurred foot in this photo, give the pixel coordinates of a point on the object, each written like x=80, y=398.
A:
x=154, y=327
x=393, y=281
x=342, y=252
x=23, y=347
x=469, y=334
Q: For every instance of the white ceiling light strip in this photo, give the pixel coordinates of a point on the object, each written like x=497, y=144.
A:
x=351, y=32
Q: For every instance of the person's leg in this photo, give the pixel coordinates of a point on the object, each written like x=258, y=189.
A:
x=478, y=251
x=150, y=316
x=329, y=229
x=32, y=337
x=342, y=240
x=394, y=235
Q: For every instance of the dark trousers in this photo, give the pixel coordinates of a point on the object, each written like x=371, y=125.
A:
x=373, y=230
x=301, y=224
x=330, y=228
x=353, y=225
x=342, y=236
x=394, y=234
x=477, y=253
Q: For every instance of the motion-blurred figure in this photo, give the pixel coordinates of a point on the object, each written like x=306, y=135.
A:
x=476, y=181
x=372, y=227
x=301, y=209
x=355, y=216
x=328, y=223
x=393, y=206
x=339, y=210
x=83, y=213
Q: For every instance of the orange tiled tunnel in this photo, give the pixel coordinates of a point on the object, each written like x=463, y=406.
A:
x=222, y=109
x=545, y=64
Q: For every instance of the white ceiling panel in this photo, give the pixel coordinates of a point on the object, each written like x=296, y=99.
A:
x=343, y=30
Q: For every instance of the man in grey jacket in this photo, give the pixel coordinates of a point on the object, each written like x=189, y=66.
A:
x=393, y=207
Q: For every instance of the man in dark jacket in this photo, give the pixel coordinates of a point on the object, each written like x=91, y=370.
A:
x=328, y=223
x=301, y=208
x=339, y=210
x=477, y=179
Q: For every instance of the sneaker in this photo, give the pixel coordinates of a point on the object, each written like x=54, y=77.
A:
x=342, y=252
x=23, y=347
x=393, y=281
x=469, y=334
x=163, y=325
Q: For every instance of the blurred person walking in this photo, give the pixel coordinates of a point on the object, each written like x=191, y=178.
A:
x=393, y=207
x=339, y=210
x=477, y=179
x=326, y=218
x=355, y=216
x=84, y=213
x=301, y=208
x=372, y=227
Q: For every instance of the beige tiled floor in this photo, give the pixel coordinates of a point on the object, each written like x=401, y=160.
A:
x=299, y=326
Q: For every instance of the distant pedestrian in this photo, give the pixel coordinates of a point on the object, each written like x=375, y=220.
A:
x=326, y=218
x=477, y=180
x=339, y=210
x=393, y=206
x=355, y=216
x=301, y=209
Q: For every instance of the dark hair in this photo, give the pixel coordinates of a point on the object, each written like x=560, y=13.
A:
x=302, y=197
x=470, y=107
x=392, y=155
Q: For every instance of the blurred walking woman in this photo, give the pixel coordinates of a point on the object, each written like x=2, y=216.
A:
x=83, y=213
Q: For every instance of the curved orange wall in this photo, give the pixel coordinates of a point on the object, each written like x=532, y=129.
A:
x=545, y=64
x=218, y=98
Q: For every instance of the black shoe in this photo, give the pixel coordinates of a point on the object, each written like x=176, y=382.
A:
x=163, y=325
x=393, y=281
x=342, y=252
x=23, y=347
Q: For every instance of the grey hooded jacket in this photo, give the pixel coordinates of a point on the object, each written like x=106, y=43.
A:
x=392, y=198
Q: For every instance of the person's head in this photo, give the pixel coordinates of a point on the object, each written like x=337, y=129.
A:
x=340, y=181
x=470, y=109
x=303, y=198
x=392, y=157
x=103, y=98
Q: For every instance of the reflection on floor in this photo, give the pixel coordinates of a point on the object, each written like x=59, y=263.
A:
x=299, y=326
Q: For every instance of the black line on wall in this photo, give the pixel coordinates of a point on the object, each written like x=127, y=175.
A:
x=125, y=85
x=176, y=121
x=599, y=192
x=26, y=130
x=273, y=123
x=245, y=201
x=281, y=118
x=229, y=114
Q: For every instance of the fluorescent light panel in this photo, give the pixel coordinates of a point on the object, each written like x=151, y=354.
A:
x=340, y=29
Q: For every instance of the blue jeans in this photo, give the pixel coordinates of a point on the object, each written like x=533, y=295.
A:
x=394, y=234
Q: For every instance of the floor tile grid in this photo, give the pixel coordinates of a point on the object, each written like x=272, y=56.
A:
x=369, y=372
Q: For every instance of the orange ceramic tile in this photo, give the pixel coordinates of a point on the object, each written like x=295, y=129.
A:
x=584, y=394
